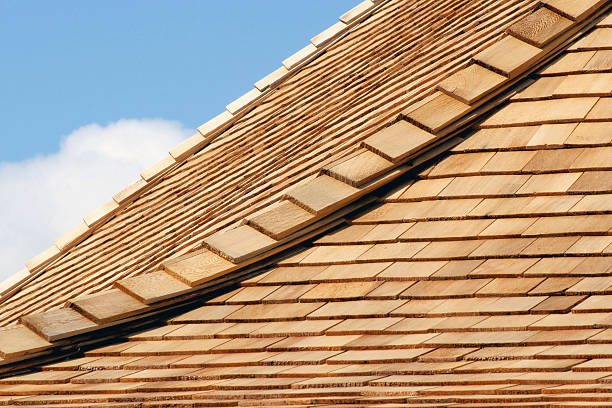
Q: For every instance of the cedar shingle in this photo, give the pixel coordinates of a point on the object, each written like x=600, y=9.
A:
x=509, y=56
x=573, y=10
x=199, y=267
x=58, y=324
x=471, y=83
x=398, y=141
x=281, y=220
x=108, y=306
x=360, y=168
x=153, y=287
x=437, y=113
x=18, y=340
x=322, y=194
x=540, y=112
x=540, y=27
x=239, y=244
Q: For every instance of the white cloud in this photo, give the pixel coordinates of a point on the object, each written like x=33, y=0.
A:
x=45, y=196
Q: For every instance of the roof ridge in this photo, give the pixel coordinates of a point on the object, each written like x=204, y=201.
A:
x=206, y=133
x=422, y=131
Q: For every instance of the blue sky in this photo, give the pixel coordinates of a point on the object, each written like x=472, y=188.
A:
x=93, y=92
x=66, y=64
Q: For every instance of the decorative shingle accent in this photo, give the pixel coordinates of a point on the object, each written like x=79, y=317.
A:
x=271, y=79
x=43, y=258
x=439, y=112
x=130, y=192
x=108, y=306
x=471, y=84
x=73, y=236
x=244, y=101
x=101, y=214
x=281, y=219
x=398, y=141
x=540, y=27
x=188, y=147
x=328, y=34
x=239, y=244
x=58, y=324
x=153, y=287
x=322, y=194
x=199, y=267
x=18, y=340
x=357, y=11
x=158, y=169
x=299, y=56
x=9, y=283
x=575, y=10
x=509, y=56
x=359, y=168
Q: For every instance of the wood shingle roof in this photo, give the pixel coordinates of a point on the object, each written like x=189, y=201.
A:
x=477, y=275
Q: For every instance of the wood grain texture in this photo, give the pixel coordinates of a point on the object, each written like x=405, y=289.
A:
x=471, y=83
x=509, y=56
x=540, y=27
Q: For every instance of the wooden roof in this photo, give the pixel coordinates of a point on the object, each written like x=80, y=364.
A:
x=479, y=277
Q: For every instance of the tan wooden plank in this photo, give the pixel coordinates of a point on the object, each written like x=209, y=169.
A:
x=509, y=56
x=58, y=324
x=359, y=168
x=108, y=306
x=471, y=83
x=540, y=27
x=437, y=113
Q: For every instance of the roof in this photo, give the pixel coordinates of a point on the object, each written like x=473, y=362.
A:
x=291, y=134
x=479, y=277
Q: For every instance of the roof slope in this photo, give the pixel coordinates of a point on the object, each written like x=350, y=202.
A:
x=482, y=280
x=382, y=66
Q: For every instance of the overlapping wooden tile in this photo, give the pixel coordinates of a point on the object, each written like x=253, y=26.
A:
x=272, y=78
x=58, y=324
x=585, y=85
x=243, y=101
x=158, y=168
x=43, y=258
x=540, y=27
x=322, y=194
x=281, y=219
x=130, y=192
x=471, y=84
x=73, y=236
x=299, y=56
x=108, y=306
x=188, y=147
x=359, y=168
x=153, y=286
x=542, y=112
x=18, y=340
x=199, y=267
x=572, y=9
x=509, y=56
x=239, y=244
x=328, y=34
x=100, y=214
x=440, y=111
x=398, y=141
x=357, y=11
